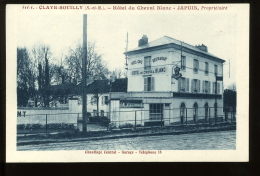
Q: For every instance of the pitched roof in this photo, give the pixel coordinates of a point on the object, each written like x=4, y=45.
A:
x=120, y=85
x=168, y=40
x=104, y=86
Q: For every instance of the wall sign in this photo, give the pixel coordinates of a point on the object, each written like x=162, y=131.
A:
x=137, y=62
x=155, y=70
x=177, y=74
x=159, y=58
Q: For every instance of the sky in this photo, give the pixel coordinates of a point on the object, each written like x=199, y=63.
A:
x=63, y=31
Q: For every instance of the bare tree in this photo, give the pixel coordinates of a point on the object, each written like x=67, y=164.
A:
x=95, y=65
x=232, y=87
x=119, y=73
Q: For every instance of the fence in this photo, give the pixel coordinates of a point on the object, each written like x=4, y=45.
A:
x=46, y=123
x=62, y=122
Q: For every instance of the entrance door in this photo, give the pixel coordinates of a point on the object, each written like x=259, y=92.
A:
x=182, y=112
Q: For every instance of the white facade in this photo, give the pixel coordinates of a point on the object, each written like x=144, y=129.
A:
x=151, y=79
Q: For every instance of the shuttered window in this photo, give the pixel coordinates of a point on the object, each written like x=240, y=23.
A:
x=206, y=87
x=149, y=84
x=195, y=85
x=183, y=84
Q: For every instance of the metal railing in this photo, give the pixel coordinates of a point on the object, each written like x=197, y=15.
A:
x=64, y=122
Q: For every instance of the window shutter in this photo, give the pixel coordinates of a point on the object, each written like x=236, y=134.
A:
x=187, y=85
x=102, y=100
x=152, y=83
x=179, y=84
x=145, y=84
x=209, y=87
x=218, y=87
x=203, y=86
x=198, y=85
x=193, y=85
x=214, y=88
x=184, y=83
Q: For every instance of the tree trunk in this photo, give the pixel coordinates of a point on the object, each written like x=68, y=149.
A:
x=97, y=104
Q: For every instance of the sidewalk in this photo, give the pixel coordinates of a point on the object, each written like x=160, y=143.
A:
x=121, y=133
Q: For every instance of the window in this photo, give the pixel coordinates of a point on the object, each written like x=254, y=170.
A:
x=195, y=85
x=195, y=66
x=104, y=100
x=183, y=62
x=149, y=84
x=214, y=88
x=183, y=84
x=216, y=70
x=156, y=111
x=206, y=68
x=206, y=86
x=147, y=63
x=93, y=100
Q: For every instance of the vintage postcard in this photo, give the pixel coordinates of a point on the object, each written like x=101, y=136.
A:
x=124, y=83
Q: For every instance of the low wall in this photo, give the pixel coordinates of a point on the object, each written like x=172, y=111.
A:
x=38, y=115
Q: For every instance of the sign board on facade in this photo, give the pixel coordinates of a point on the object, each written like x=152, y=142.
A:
x=154, y=70
x=159, y=58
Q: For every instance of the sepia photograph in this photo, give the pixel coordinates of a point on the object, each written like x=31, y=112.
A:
x=101, y=83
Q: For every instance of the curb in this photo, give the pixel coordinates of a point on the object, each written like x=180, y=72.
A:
x=125, y=136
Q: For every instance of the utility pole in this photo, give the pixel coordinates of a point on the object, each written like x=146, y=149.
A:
x=126, y=49
x=84, y=58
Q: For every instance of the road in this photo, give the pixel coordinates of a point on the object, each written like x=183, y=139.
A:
x=222, y=140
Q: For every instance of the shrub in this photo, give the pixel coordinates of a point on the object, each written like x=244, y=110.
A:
x=99, y=119
x=126, y=125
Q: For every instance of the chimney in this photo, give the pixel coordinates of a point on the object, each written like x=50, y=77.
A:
x=143, y=41
x=202, y=47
